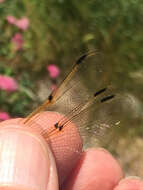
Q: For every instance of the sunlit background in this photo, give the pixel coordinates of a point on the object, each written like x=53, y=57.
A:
x=40, y=40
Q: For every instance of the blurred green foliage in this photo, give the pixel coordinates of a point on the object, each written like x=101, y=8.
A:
x=60, y=30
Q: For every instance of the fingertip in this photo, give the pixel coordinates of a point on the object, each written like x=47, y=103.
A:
x=66, y=145
x=130, y=183
x=96, y=169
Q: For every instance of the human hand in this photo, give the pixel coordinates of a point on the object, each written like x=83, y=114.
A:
x=27, y=162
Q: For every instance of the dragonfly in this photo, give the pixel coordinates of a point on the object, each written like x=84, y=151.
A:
x=85, y=106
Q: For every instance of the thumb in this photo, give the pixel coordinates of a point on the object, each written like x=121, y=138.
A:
x=26, y=161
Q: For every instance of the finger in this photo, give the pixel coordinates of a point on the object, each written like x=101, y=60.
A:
x=132, y=183
x=96, y=169
x=66, y=146
x=26, y=161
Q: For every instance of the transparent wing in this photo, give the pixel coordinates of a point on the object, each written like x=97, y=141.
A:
x=89, y=109
x=71, y=91
x=62, y=89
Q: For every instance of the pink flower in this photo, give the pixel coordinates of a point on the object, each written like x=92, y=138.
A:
x=22, y=23
x=8, y=83
x=11, y=19
x=18, y=41
x=53, y=71
x=4, y=116
x=1, y=1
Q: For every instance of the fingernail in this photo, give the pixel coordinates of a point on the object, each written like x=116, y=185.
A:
x=26, y=161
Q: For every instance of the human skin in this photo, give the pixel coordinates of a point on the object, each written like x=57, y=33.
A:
x=30, y=162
